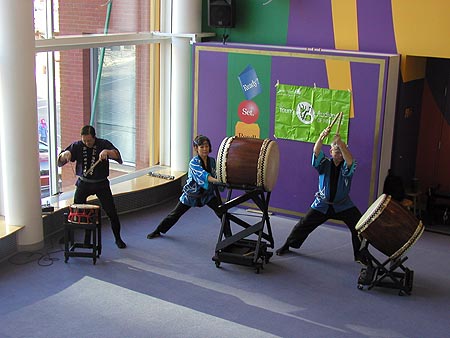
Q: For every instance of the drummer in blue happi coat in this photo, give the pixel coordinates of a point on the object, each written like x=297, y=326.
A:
x=332, y=201
x=198, y=190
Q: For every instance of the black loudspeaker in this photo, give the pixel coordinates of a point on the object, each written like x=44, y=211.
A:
x=221, y=13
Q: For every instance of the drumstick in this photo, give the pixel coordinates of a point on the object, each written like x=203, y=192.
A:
x=334, y=121
x=339, y=123
x=92, y=168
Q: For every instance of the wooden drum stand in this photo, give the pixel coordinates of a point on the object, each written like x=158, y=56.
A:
x=250, y=165
x=388, y=274
x=237, y=248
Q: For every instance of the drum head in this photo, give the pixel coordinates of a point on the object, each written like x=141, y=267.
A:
x=221, y=168
x=270, y=160
x=373, y=212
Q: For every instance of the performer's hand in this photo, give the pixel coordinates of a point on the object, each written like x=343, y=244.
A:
x=337, y=139
x=104, y=155
x=64, y=157
x=325, y=133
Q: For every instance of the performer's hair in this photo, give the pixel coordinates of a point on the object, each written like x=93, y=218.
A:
x=88, y=130
x=200, y=139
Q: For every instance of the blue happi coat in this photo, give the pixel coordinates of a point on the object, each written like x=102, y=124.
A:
x=198, y=191
x=342, y=199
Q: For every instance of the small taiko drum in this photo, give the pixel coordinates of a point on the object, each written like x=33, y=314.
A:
x=389, y=227
x=84, y=214
x=248, y=162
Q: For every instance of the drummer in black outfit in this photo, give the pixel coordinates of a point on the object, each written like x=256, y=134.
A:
x=332, y=200
x=87, y=152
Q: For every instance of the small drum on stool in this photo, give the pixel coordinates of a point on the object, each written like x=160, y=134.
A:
x=84, y=214
x=83, y=217
x=248, y=161
x=389, y=227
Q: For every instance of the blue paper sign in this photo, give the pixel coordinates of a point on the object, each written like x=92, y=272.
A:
x=249, y=82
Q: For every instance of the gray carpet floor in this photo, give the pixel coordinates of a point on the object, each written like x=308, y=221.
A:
x=170, y=287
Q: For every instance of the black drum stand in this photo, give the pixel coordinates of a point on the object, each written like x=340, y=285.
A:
x=389, y=274
x=237, y=248
x=90, y=250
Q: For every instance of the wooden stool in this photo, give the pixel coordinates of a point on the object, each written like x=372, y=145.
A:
x=83, y=217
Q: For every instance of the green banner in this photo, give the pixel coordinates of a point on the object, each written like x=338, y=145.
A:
x=301, y=113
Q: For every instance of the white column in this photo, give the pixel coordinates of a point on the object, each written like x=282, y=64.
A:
x=186, y=19
x=165, y=78
x=18, y=123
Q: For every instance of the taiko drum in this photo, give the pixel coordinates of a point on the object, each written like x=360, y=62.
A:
x=389, y=227
x=84, y=214
x=248, y=162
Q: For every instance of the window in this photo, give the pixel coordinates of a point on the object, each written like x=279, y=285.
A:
x=115, y=103
x=107, y=87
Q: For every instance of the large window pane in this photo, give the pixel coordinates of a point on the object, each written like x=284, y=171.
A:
x=118, y=112
x=78, y=17
x=108, y=88
x=115, y=102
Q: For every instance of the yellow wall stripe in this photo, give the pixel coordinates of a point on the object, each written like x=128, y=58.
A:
x=413, y=67
x=422, y=28
x=345, y=24
x=340, y=77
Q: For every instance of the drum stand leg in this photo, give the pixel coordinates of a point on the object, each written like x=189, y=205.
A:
x=235, y=248
x=389, y=274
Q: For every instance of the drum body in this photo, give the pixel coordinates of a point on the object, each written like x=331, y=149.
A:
x=248, y=162
x=389, y=227
x=84, y=214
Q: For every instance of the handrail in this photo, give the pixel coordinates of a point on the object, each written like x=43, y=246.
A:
x=107, y=40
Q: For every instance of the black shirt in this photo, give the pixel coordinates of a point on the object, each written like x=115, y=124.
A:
x=334, y=177
x=86, y=157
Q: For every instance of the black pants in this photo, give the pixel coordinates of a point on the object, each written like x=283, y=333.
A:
x=314, y=218
x=103, y=193
x=179, y=210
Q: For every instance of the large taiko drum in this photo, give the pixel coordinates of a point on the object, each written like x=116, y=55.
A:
x=248, y=162
x=389, y=227
x=84, y=214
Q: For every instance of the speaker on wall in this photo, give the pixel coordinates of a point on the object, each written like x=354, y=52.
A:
x=221, y=13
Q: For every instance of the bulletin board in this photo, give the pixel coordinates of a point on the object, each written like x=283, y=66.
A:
x=223, y=106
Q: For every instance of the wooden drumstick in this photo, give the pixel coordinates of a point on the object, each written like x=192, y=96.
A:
x=91, y=169
x=339, y=123
x=334, y=121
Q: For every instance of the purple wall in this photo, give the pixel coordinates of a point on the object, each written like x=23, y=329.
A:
x=297, y=180
x=311, y=24
x=375, y=26
x=212, y=94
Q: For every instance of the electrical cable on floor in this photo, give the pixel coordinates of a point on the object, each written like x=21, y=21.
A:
x=43, y=258
x=25, y=257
